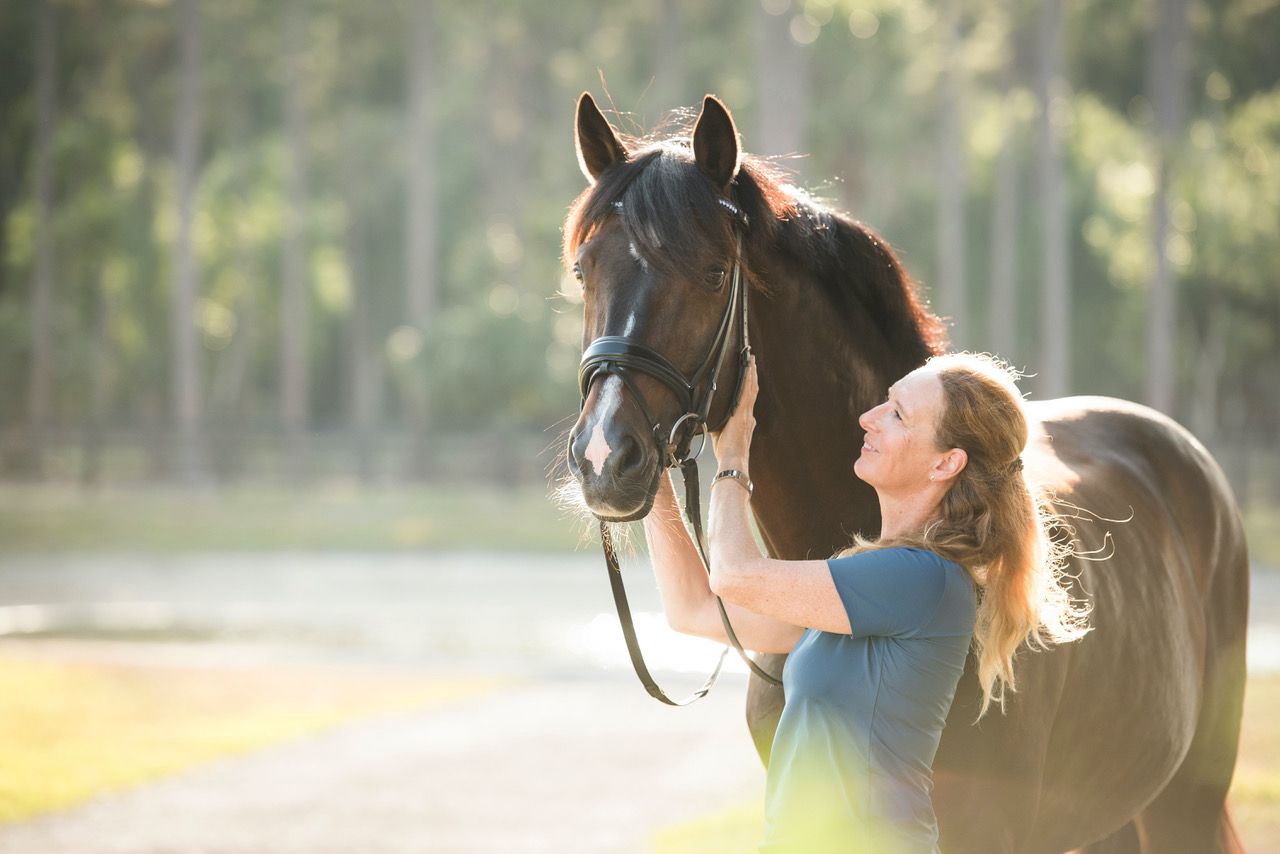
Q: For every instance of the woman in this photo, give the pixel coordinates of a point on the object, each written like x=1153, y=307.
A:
x=878, y=636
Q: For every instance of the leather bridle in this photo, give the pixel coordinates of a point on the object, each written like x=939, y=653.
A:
x=620, y=356
x=617, y=355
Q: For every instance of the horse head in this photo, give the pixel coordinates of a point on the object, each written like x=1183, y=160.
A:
x=655, y=244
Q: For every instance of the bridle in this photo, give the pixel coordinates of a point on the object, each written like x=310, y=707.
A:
x=616, y=354
x=620, y=356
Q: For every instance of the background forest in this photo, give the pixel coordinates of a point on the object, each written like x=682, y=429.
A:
x=285, y=241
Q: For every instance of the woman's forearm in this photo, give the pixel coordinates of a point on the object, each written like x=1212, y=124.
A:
x=682, y=580
x=735, y=556
x=783, y=594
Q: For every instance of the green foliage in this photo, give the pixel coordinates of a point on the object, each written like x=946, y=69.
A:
x=498, y=349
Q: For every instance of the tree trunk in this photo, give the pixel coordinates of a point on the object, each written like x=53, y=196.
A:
x=668, y=90
x=1166, y=81
x=1002, y=305
x=782, y=87
x=365, y=375
x=1206, y=406
x=95, y=421
x=41, y=375
x=185, y=371
x=226, y=394
x=234, y=363
x=950, y=264
x=294, y=315
x=1055, y=304
x=421, y=283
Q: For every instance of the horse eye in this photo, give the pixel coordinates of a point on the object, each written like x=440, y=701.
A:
x=577, y=273
x=715, y=279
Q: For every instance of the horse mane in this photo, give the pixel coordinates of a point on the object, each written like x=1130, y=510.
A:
x=665, y=204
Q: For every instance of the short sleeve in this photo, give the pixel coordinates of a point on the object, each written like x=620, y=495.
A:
x=890, y=592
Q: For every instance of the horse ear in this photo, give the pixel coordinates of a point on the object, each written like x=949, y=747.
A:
x=598, y=146
x=715, y=143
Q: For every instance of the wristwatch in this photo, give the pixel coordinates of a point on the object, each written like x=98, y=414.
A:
x=739, y=476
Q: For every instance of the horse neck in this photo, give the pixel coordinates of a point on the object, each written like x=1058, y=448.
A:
x=816, y=377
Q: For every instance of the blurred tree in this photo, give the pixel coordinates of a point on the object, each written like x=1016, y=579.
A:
x=782, y=92
x=185, y=377
x=99, y=356
x=1166, y=83
x=420, y=238
x=1054, y=376
x=669, y=49
x=951, y=257
x=1002, y=305
x=42, y=279
x=295, y=303
x=334, y=159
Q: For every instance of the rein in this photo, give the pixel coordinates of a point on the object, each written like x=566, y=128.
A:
x=616, y=355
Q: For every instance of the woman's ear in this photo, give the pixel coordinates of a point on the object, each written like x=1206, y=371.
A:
x=949, y=465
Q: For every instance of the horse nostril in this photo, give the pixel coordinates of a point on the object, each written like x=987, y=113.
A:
x=577, y=451
x=628, y=458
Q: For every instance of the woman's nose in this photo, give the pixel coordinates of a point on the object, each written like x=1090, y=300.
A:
x=864, y=420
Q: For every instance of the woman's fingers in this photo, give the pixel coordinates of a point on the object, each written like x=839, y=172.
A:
x=733, y=442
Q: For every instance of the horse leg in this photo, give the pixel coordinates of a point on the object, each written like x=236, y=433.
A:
x=1188, y=817
x=1190, y=814
x=764, y=706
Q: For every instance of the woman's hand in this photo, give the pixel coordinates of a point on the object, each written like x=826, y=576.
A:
x=733, y=443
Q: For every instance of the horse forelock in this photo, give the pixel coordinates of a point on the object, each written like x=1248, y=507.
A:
x=672, y=215
x=676, y=222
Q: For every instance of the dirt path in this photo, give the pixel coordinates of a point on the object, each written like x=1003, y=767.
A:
x=570, y=759
x=570, y=767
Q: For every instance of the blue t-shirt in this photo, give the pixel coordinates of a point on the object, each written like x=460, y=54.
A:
x=851, y=765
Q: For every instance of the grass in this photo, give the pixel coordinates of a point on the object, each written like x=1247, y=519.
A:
x=74, y=730
x=1262, y=527
x=328, y=516
x=735, y=829
x=1255, y=794
x=333, y=515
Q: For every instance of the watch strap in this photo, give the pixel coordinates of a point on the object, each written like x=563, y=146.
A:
x=739, y=476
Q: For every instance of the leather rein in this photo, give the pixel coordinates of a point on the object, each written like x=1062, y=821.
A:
x=618, y=355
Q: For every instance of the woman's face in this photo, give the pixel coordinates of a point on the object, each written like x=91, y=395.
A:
x=900, y=449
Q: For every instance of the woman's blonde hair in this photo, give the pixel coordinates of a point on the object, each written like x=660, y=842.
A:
x=994, y=523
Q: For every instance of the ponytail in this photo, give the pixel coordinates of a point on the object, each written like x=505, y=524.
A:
x=996, y=524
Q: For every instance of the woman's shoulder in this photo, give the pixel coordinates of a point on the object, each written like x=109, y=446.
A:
x=919, y=557
x=898, y=590
x=922, y=566
x=905, y=564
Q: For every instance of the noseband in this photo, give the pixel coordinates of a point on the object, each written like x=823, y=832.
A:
x=620, y=356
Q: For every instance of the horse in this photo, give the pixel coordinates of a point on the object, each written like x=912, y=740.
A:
x=1124, y=741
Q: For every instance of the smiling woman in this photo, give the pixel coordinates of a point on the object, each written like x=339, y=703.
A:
x=879, y=636
x=967, y=408
x=836, y=321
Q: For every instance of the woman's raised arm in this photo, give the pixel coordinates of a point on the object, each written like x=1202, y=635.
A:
x=685, y=589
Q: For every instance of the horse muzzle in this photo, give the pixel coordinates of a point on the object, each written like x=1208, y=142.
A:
x=617, y=467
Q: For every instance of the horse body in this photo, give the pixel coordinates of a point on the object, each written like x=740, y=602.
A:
x=1122, y=742
x=1147, y=721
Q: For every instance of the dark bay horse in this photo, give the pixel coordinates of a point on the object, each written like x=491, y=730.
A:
x=1123, y=742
